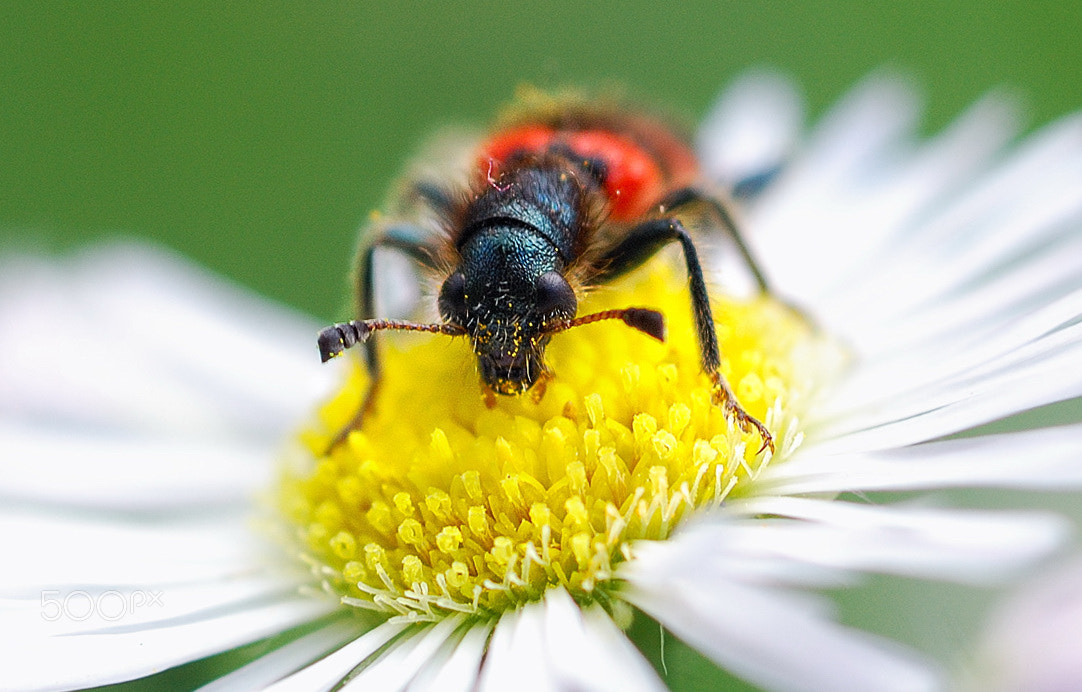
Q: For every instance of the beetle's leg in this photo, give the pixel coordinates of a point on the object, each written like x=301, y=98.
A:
x=411, y=241
x=643, y=242
x=752, y=185
x=690, y=196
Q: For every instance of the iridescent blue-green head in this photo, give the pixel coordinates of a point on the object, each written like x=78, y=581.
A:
x=507, y=293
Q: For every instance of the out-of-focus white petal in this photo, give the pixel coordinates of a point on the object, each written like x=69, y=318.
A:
x=928, y=371
x=753, y=128
x=1042, y=367
x=861, y=132
x=808, y=225
x=826, y=543
x=100, y=336
x=65, y=612
x=981, y=309
x=1033, y=641
x=901, y=198
x=122, y=653
x=126, y=473
x=1006, y=212
x=81, y=551
x=1048, y=380
x=777, y=638
x=938, y=254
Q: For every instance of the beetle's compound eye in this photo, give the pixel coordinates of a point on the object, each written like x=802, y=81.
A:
x=555, y=297
x=452, y=300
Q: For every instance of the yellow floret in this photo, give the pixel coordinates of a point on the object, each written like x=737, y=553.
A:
x=441, y=504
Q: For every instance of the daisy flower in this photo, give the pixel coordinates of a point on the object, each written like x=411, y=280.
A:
x=451, y=545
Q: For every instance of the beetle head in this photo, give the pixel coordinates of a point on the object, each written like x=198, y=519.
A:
x=505, y=295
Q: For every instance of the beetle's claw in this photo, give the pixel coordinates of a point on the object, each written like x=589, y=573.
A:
x=723, y=396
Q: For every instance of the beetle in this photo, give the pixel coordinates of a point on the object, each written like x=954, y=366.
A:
x=566, y=193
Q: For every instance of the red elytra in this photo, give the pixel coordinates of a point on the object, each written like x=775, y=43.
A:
x=636, y=179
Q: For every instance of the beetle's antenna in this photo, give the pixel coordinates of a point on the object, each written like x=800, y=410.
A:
x=647, y=321
x=338, y=337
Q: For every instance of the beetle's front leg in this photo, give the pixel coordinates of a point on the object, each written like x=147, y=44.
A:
x=686, y=197
x=408, y=239
x=723, y=396
x=691, y=196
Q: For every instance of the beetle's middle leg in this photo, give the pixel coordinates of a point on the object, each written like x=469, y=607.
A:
x=643, y=242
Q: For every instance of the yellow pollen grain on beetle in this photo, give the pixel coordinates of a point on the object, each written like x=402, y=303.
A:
x=439, y=504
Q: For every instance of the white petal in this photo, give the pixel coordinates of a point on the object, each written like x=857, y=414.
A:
x=150, y=343
x=811, y=222
x=767, y=635
x=901, y=196
x=965, y=546
x=588, y=652
x=87, y=611
x=458, y=669
x=957, y=226
x=1016, y=207
x=928, y=298
x=121, y=473
x=397, y=666
x=247, y=345
x=555, y=645
x=275, y=665
x=327, y=672
x=82, y=551
x=860, y=131
x=989, y=346
x=748, y=552
x=125, y=654
x=752, y=129
x=1044, y=371
x=513, y=660
x=983, y=306
x=1042, y=459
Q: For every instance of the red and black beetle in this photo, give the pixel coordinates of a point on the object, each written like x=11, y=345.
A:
x=566, y=194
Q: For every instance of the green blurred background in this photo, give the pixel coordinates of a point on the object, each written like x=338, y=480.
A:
x=255, y=137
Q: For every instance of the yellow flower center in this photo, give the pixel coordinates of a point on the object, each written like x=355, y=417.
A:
x=440, y=504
